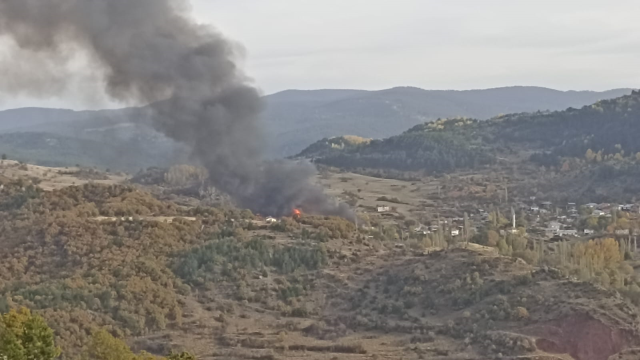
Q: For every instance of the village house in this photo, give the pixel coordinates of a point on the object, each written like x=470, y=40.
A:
x=627, y=207
x=567, y=232
x=271, y=220
x=554, y=225
x=589, y=232
x=382, y=209
x=622, y=232
x=422, y=230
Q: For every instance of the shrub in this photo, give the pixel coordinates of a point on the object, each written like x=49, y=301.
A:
x=24, y=336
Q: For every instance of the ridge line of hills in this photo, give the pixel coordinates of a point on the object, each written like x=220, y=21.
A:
x=293, y=120
x=598, y=144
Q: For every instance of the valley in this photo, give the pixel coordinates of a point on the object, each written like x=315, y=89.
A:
x=418, y=278
x=198, y=204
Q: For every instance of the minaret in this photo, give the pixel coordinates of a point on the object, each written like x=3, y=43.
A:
x=513, y=216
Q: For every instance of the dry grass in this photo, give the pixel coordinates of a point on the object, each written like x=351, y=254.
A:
x=52, y=178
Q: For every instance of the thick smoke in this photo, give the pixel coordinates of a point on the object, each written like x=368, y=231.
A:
x=152, y=51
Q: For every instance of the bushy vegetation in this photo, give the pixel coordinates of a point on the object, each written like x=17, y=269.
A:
x=432, y=151
x=85, y=257
x=104, y=346
x=24, y=336
x=328, y=227
x=605, y=131
x=227, y=258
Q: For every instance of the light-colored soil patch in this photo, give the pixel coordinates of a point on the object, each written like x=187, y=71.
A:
x=52, y=178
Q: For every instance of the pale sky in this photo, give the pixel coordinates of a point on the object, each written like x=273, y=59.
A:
x=432, y=44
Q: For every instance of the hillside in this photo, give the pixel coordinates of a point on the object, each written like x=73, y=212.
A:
x=109, y=139
x=94, y=252
x=591, y=152
x=605, y=130
x=296, y=119
x=292, y=119
x=50, y=149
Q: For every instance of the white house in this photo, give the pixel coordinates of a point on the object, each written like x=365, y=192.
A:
x=567, y=232
x=589, y=232
x=455, y=232
x=622, y=232
x=271, y=220
x=382, y=209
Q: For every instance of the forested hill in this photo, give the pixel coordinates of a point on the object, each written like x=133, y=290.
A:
x=293, y=120
x=296, y=119
x=608, y=129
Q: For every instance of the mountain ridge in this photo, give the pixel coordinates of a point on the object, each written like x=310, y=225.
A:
x=382, y=113
x=593, y=150
x=294, y=119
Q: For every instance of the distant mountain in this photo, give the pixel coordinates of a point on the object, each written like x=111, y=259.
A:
x=606, y=130
x=293, y=120
x=117, y=139
x=296, y=119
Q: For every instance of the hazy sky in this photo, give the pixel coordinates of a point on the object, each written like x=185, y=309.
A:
x=433, y=44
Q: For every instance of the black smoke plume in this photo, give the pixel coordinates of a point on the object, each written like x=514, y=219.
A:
x=153, y=52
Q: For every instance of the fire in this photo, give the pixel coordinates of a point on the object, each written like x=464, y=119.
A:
x=297, y=213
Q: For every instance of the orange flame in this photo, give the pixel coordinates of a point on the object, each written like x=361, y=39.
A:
x=297, y=213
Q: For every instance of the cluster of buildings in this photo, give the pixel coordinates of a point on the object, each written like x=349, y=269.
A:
x=544, y=219
x=563, y=221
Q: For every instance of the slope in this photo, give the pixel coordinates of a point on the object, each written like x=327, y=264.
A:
x=295, y=119
x=605, y=130
x=292, y=119
x=223, y=283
